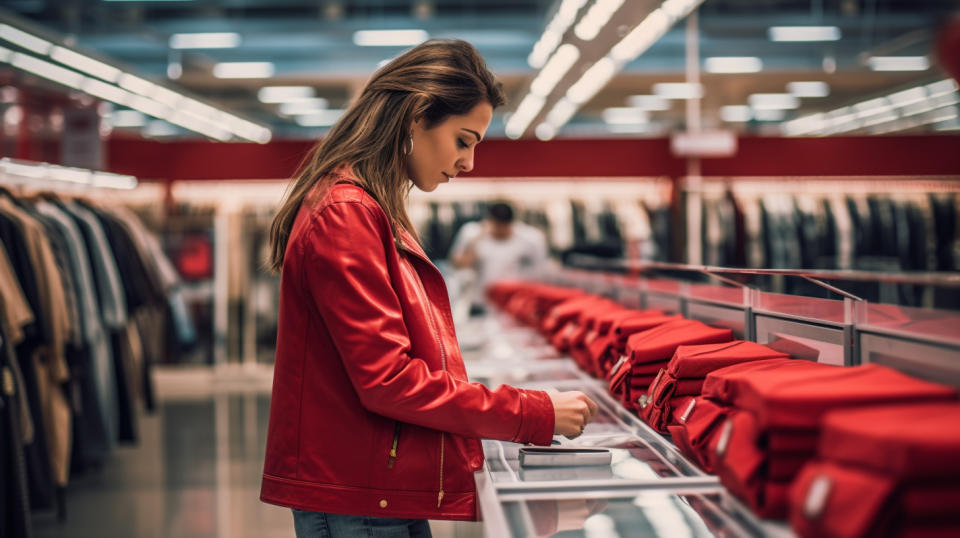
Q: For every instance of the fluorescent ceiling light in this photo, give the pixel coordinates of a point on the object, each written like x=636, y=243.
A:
x=5, y=55
x=526, y=111
x=556, y=68
x=736, y=113
x=136, y=84
x=773, y=101
x=641, y=38
x=159, y=128
x=592, y=81
x=803, y=33
x=68, y=174
x=648, y=102
x=297, y=108
x=561, y=112
x=553, y=34
x=809, y=89
x=733, y=64
x=899, y=63
x=769, y=114
x=127, y=118
x=113, y=181
x=321, y=118
x=596, y=18
x=942, y=87
x=389, y=38
x=211, y=40
x=47, y=70
x=872, y=107
x=545, y=131
x=908, y=97
x=85, y=64
x=23, y=39
x=678, y=90
x=243, y=70
x=107, y=92
x=625, y=116
x=285, y=94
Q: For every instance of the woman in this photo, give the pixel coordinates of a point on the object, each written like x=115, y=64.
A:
x=374, y=427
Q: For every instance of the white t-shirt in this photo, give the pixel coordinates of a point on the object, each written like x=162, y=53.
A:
x=522, y=255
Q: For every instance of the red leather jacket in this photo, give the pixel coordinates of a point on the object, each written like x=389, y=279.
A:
x=372, y=413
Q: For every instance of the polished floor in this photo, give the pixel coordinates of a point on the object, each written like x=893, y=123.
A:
x=195, y=472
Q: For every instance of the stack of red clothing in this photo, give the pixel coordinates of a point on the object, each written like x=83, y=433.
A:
x=607, y=347
x=589, y=325
x=649, y=351
x=574, y=316
x=685, y=373
x=556, y=318
x=528, y=301
x=760, y=422
x=882, y=471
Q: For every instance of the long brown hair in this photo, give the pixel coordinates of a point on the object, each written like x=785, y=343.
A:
x=432, y=81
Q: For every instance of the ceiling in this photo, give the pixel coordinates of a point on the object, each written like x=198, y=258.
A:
x=310, y=42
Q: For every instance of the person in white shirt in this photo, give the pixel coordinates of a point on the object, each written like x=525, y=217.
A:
x=498, y=248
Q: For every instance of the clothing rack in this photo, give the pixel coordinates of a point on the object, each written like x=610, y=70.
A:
x=42, y=175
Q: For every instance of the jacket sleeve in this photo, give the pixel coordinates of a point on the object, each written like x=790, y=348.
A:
x=345, y=270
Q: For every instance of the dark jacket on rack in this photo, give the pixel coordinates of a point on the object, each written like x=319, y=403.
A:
x=372, y=413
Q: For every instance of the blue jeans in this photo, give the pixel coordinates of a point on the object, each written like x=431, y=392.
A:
x=325, y=525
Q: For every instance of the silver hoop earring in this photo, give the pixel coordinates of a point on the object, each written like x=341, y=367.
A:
x=410, y=149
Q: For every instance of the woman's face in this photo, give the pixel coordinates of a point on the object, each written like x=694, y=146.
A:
x=445, y=150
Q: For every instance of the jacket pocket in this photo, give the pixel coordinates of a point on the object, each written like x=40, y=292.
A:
x=392, y=454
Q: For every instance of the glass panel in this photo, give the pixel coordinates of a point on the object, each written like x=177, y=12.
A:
x=648, y=513
x=807, y=307
x=940, y=324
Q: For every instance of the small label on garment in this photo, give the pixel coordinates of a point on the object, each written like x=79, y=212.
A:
x=591, y=336
x=686, y=414
x=8, y=386
x=817, y=497
x=725, y=437
x=656, y=380
x=613, y=371
x=643, y=400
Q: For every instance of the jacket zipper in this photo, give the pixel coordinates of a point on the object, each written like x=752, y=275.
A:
x=443, y=365
x=393, y=447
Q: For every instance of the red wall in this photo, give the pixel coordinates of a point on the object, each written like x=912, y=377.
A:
x=756, y=156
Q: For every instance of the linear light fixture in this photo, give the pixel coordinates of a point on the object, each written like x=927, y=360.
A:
x=320, y=118
x=625, y=116
x=809, y=89
x=556, y=68
x=678, y=90
x=905, y=109
x=127, y=118
x=898, y=63
x=553, y=34
x=736, y=113
x=804, y=33
x=596, y=18
x=648, y=102
x=636, y=41
x=285, y=94
x=296, y=108
x=208, y=40
x=733, y=64
x=243, y=70
x=389, y=38
x=34, y=171
x=112, y=84
x=773, y=101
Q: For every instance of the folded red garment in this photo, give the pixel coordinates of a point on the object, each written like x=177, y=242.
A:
x=829, y=500
x=908, y=441
x=698, y=361
x=698, y=423
x=605, y=350
x=719, y=383
x=658, y=344
x=803, y=441
x=567, y=310
x=799, y=401
x=659, y=417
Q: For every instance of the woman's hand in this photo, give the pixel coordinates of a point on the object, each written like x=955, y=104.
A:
x=572, y=411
